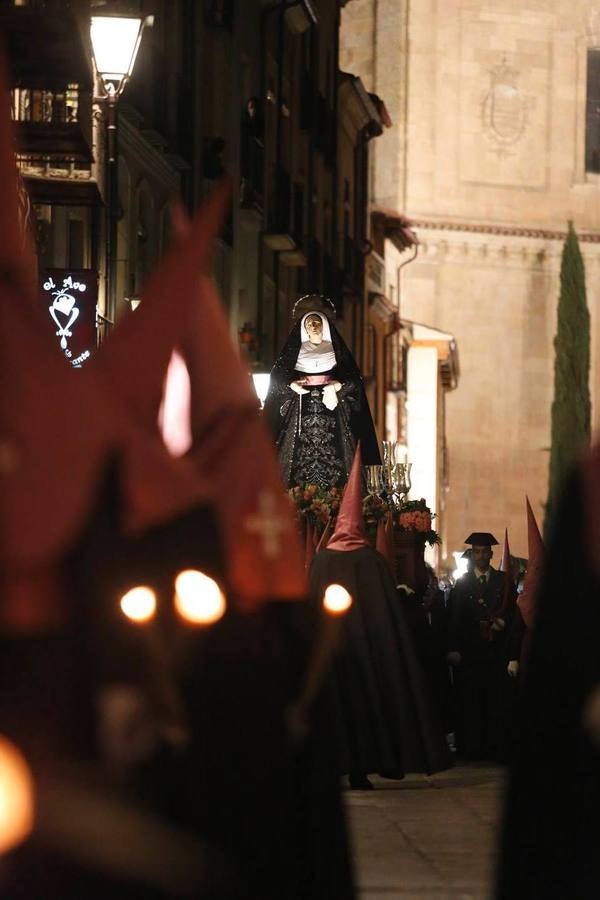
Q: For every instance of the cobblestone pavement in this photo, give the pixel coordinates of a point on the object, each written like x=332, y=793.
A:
x=423, y=837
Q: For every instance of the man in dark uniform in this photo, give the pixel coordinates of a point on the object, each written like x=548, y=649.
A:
x=481, y=610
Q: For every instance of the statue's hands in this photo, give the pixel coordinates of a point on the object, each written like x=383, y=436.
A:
x=498, y=625
x=330, y=399
x=337, y=385
x=513, y=668
x=296, y=386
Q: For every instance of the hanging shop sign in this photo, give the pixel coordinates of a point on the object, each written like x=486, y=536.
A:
x=70, y=296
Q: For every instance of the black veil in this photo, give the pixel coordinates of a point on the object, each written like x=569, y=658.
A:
x=346, y=371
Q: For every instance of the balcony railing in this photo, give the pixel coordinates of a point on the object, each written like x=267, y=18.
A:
x=53, y=123
x=52, y=81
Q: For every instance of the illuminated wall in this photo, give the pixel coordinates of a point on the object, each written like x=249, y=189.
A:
x=422, y=410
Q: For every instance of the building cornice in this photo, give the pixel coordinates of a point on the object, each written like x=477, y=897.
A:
x=503, y=230
x=135, y=146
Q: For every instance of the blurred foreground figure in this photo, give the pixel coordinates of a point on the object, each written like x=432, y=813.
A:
x=551, y=830
x=149, y=651
x=384, y=712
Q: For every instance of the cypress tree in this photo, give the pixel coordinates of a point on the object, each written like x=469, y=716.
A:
x=571, y=406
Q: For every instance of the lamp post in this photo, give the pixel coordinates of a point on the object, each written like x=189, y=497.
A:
x=115, y=43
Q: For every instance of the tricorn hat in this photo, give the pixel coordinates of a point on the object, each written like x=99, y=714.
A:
x=481, y=539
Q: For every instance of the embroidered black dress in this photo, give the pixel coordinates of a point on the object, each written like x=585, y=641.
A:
x=315, y=444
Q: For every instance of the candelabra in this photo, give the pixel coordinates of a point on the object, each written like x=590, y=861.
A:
x=390, y=480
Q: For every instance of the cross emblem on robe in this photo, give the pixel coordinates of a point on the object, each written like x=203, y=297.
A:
x=268, y=525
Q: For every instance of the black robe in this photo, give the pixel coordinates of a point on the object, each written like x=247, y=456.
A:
x=551, y=832
x=267, y=807
x=316, y=445
x=484, y=690
x=384, y=713
x=429, y=626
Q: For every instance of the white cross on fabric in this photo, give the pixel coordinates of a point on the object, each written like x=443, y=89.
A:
x=268, y=525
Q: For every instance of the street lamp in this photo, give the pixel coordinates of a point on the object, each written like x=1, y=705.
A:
x=115, y=43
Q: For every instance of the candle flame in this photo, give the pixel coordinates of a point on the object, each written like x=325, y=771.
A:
x=139, y=604
x=16, y=797
x=336, y=599
x=198, y=599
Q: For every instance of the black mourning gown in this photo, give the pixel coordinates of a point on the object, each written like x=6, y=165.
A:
x=551, y=833
x=316, y=445
x=384, y=713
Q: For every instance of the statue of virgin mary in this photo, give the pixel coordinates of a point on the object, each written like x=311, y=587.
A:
x=316, y=406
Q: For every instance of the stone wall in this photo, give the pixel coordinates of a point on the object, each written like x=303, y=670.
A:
x=486, y=155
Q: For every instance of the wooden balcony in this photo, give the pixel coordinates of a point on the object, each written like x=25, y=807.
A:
x=51, y=81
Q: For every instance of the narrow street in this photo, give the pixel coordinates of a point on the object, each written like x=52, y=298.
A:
x=431, y=838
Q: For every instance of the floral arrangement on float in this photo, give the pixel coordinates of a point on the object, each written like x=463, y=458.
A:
x=316, y=504
x=415, y=516
x=375, y=508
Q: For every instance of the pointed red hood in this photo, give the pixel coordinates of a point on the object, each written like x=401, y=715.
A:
x=508, y=601
x=231, y=451
x=59, y=427
x=349, y=531
x=527, y=601
x=505, y=564
x=136, y=355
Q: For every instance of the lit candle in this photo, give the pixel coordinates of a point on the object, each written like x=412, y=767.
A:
x=139, y=604
x=16, y=797
x=198, y=599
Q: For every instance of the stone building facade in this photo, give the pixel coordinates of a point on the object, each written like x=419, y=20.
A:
x=254, y=90
x=494, y=148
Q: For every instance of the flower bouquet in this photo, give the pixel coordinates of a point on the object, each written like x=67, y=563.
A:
x=316, y=504
x=415, y=516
